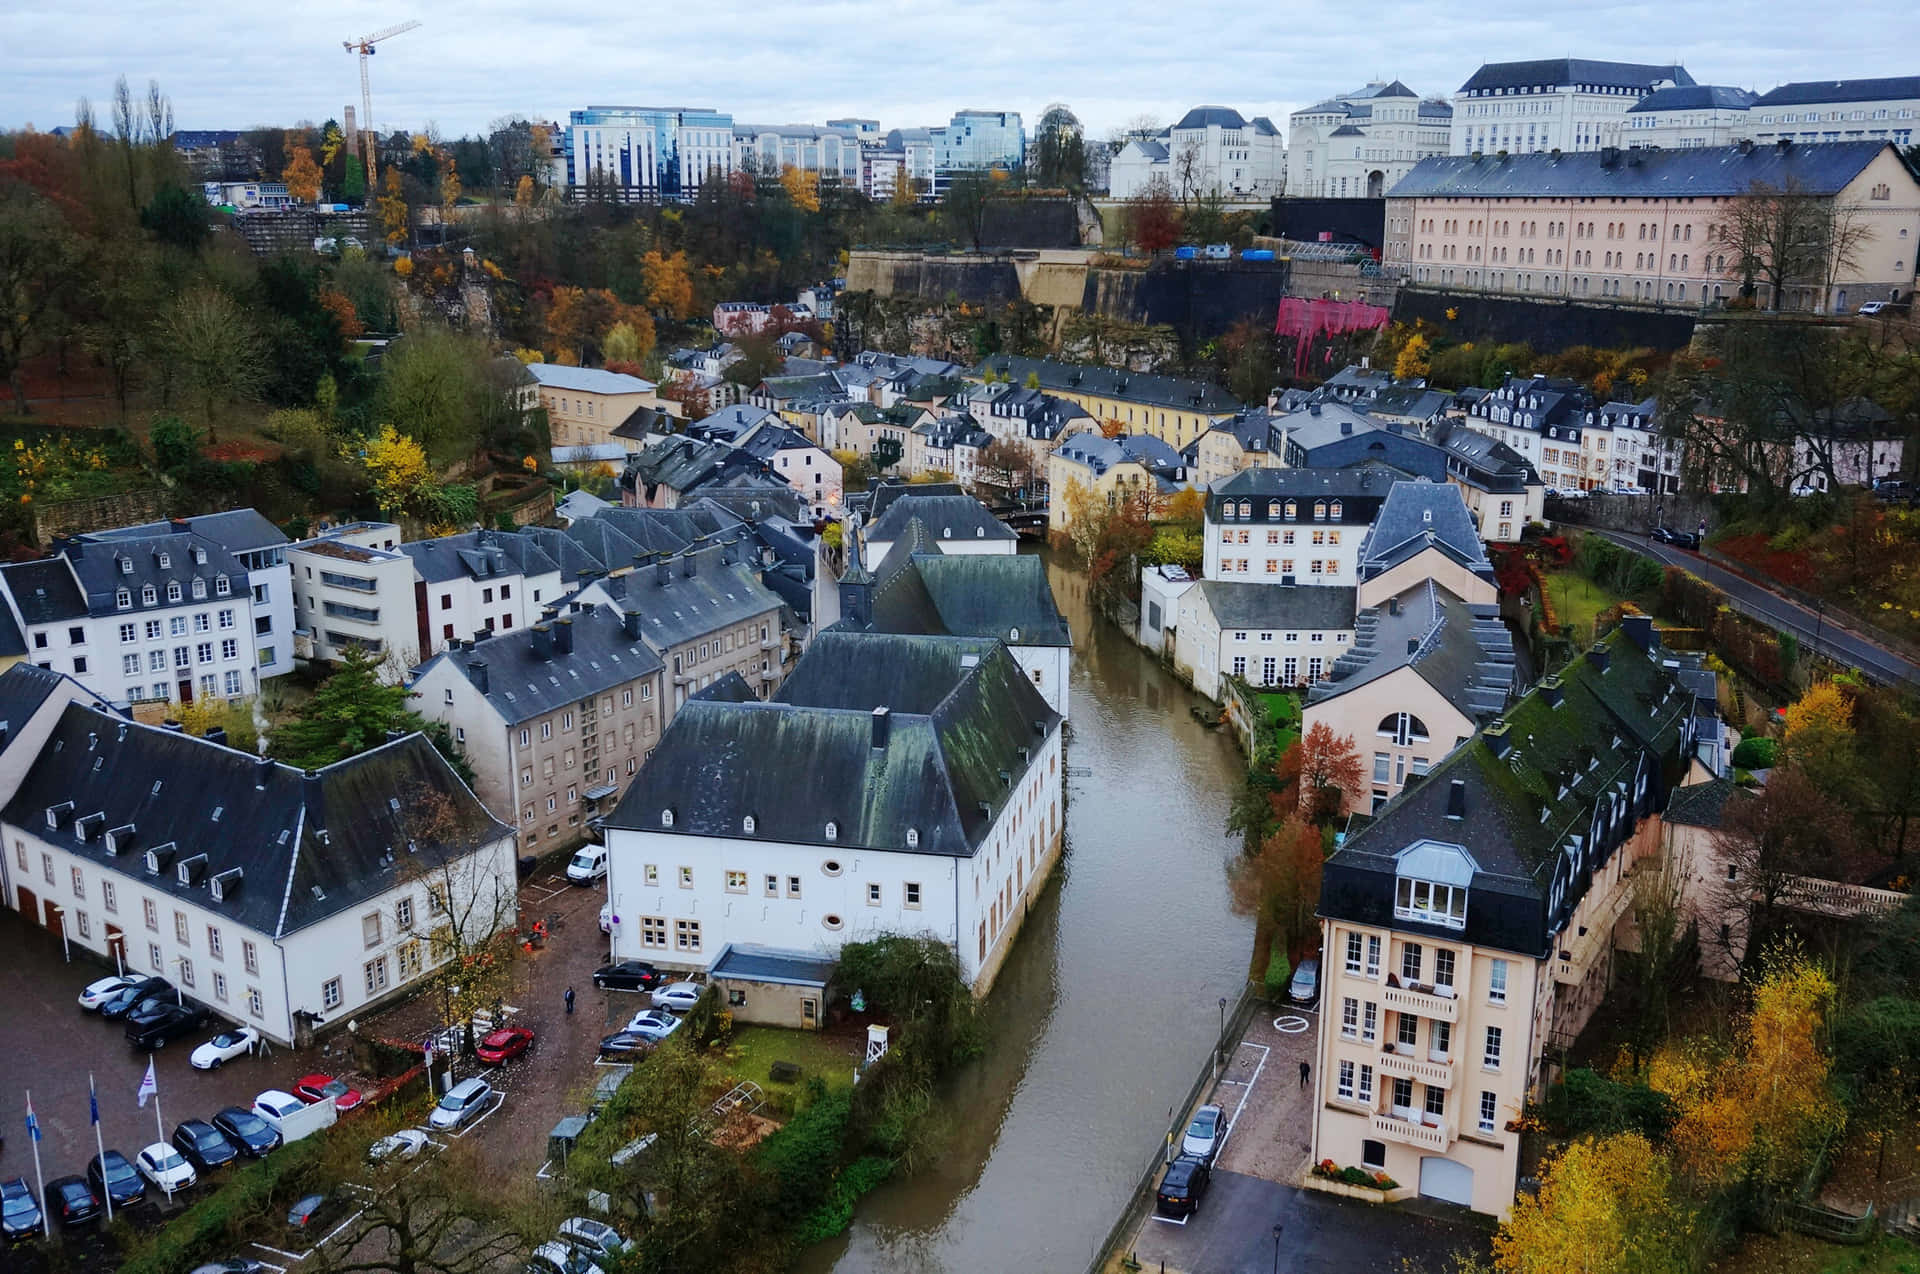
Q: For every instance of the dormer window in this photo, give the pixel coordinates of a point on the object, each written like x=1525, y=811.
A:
x=173, y=590
x=913, y=838
x=666, y=818
x=1319, y=510
x=199, y=556
x=122, y=598
x=1430, y=885
x=222, y=586
x=1335, y=511
x=747, y=824
x=833, y=830
x=1293, y=510
x=199, y=589
x=126, y=566
x=166, y=561
x=1273, y=509
x=1246, y=509
x=147, y=595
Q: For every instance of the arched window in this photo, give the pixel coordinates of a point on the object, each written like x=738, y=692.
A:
x=1403, y=728
x=833, y=830
x=747, y=824
x=913, y=838
x=666, y=818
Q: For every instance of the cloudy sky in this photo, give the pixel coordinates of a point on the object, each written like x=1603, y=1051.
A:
x=241, y=63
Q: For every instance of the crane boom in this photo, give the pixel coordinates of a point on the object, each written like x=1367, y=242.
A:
x=364, y=46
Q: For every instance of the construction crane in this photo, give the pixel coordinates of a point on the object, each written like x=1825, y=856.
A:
x=364, y=46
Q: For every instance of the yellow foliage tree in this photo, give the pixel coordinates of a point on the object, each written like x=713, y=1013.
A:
x=422, y=143
x=449, y=181
x=1822, y=708
x=1414, y=360
x=523, y=192
x=668, y=283
x=396, y=467
x=302, y=176
x=394, y=215
x=1604, y=1207
x=802, y=187
x=529, y=355
x=622, y=344
x=404, y=267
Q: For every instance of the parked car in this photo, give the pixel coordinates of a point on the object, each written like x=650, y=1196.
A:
x=314, y=1212
x=404, y=1144
x=232, y=1265
x=169, y=1023
x=498, y=1046
x=606, y=917
x=624, y=1044
x=627, y=975
x=315, y=1088
x=1684, y=540
x=224, y=1047
x=1305, y=986
x=111, y=1175
x=597, y=1239
x=558, y=1258
x=98, y=993
x=1660, y=534
x=1203, y=1133
x=19, y=1212
x=1182, y=1186
x=653, y=1024
x=1872, y=307
x=165, y=1168
x=250, y=1134
x=587, y=865
x=679, y=996
x=205, y=1146
x=463, y=1103
x=72, y=1202
x=126, y=1001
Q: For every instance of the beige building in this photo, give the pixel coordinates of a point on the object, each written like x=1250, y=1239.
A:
x=1467, y=930
x=1174, y=409
x=1113, y=471
x=554, y=720
x=1646, y=225
x=586, y=404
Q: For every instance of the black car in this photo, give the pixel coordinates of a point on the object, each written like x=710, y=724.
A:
x=252, y=1135
x=125, y=1002
x=19, y=1214
x=204, y=1146
x=1684, y=540
x=627, y=975
x=1660, y=533
x=110, y=1174
x=71, y=1201
x=170, y=1023
x=1182, y=1187
x=625, y=1044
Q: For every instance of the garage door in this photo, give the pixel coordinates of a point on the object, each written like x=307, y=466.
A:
x=1446, y=1180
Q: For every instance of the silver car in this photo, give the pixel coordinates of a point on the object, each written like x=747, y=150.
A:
x=462, y=1104
x=1305, y=987
x=1203, y=1134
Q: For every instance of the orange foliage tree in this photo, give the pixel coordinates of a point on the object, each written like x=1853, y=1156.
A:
x=1280, y=883
x=1330, y=772
x=802, y=187
x=668, y=283
x=302, y=176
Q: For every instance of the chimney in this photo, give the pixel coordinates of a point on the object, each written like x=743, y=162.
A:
x=563, y=636
x=1600, y=657
x=216, y=735
x=481, y=634
x=178, y=526
x=1784, y=145
x=1457, y=799
x=1640, y=631
x=1550, y=691
x=1413, y=645
x=1746, y=145
x=549, y=613
x=542, y=641
x=262, y=771
x=662, y=572
x=630, y=624
x=1499, y=742
x=174, y=726
x=1346, y=427
x=477, y=673
x=1393, y=606
x=1313, y=409
x=882, y=727
x=687, y=563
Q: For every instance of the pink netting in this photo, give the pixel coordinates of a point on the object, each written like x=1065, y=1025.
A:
x=1311, y=322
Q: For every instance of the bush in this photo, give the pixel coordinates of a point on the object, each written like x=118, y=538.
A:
x=263, y=1188
x=1279, y=971
x=833, y=1217
x=799, y=1159
x=1755, y=752
x=1588, y=1102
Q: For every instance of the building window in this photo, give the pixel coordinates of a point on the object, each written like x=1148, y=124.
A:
x=147, y=905
x=1430, y=902
x=1345, y=1089
x=249, y=958
x=180, y=928
x=912, y=892
x=253, y=1001
x=330, y=994
x=1442, y=966
x=79, y=884
x=1436, y=1103
x=1373, y=1154
x=1490, y=1059
x=1353, y=952
x=1403, y=1097
x=736, y=882
x=653, y=931
x=1489, y=1108
x=1410, y=955
x=1497, y=981
x=376, y=975
x=109, y=897
x=686, y=935
x=1407, y=1031
x=220, y=986
x=370, y=929
x=1370, y=1022
x=793, y=886
x=1373, y=957
x=409, y=961
x=403, y=915
x=1350, y=1017
x=215, y=947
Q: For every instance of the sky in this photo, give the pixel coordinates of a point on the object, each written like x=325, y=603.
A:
x=243, y=63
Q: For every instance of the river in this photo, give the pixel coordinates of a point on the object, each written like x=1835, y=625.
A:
x=1107, y=1005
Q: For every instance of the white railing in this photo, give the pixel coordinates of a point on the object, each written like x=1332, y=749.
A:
x=1836, y=898
x=1445, y=1008
x=1435, y=1074
x=1426, y=1136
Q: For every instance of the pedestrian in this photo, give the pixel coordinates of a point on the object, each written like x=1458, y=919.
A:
x=570, y=1002
x=1305, y=1070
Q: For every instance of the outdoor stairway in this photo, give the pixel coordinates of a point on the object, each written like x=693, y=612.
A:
x=1903, y=1218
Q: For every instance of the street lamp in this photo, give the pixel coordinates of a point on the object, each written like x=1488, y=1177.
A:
x=1220, y=1040
x=1276, y=1247
x=66, y=949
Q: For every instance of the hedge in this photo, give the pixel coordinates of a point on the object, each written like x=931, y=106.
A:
x=1279, y=971
x=1755, y=752
x=263, y=1188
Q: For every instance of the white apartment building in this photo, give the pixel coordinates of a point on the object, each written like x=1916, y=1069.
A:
x=832, y=154
x=1357, y=145
x=1264, y=635
x=1839, y=111
x=1553, y=104
x=476, y=581
x=897, y=785
x=1683, y=118
x=648, y=153
x=353, y=589
x=1291, y=526
x=1213, y=150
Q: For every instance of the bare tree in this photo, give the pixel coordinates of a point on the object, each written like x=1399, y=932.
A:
x=441, y=1216
x=1766, y=851
x=1190, y=174
x=215, y=349
x=1784, y=236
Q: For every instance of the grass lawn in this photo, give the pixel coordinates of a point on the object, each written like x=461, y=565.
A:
x=1283, y=717
x=1798, y=1254
x=756, y=1048
x=1578, y=601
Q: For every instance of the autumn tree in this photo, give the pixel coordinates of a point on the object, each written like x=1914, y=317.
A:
x=523, y=192
x=1604, y=1206
x=1769, y=846
x=443, y=1213
x=1280, y=883
x=1784, y=236
x=1250, y=359
x=1413, y=362
x=215, y=351
x=41, y=269
x=1331, y=773
x=1151, y=220
x=395, y=217
x=396, y=468
x=449, y=182
x=802, y=186
x=1004, y=466
x=668, y=283
x=302, y=176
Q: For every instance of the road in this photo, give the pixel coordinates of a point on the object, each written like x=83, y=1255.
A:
x=1813, y=630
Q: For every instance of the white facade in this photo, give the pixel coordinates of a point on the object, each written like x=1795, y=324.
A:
x=1684, y=118
x=1204, y=652
x=353, y=588
x=1357, y=145
x=1556, y=104
x=1310, y=553
x=769, y=149
x=1213, y=150
x=1839, y=111
x=649, y=153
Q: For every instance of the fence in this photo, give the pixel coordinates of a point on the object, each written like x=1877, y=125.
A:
x=1140, y=1200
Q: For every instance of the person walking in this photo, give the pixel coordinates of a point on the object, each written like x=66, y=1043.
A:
x=1305, y=1070
x=570, y=1008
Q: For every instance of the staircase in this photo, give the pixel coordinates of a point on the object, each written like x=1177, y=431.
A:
x=1903, y=1219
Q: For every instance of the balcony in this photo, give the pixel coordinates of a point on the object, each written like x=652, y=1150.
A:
x=1444, y=1008
x=1434, y=1074
x=770, y=643
x=1409, y=1133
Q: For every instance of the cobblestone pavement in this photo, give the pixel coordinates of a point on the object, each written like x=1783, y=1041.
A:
x=1272, y=1132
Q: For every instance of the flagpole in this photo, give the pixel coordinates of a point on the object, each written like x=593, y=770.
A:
x=39, y=1181
x=159, y=1125
x=93, y=1109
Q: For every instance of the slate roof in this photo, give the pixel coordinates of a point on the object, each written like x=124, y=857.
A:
x=947, y=517
x=523, y=684
x=307, y=846
x=642, y=422
x=1326, y=421
x=1417, y=516
x=1346, y=130
x=1173, y=392
x=23, y=688
x=694, y=594
x=1810, y=92
x=133, y=562
x=236, y=530
x=1464, y=652
x=577, y=504
x=1410, y=401
x=918, y=589
x=1484, y=461
x=1258, y=485
x=1212, y=117
x=1560, y=72
x=587, y=380
x=483, y=554
x=1704, y=172
x=45, y=591
x=1253, y=430
x=960, y=715
x=568, y=552
x=1237, y=604
x=12, y=640
x=747, y=963
x=730, y=424
x=1702, y=804
x=1694, y=97
x=1101, y=454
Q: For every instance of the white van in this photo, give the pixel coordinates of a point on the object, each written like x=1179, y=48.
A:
x=291, y=1117
x=588, y=865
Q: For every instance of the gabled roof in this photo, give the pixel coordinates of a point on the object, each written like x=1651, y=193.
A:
x=1238, y=604
x=1304, y=484
x=1463, y=651
x=526, y=677
x=1564, y=72
x=306, y=846
x=23, y=688
x=729, y=424
x=1212, y=117
x=587, y=380
x=566, y=551
x=1694, y=97
x=1810, y=92
x=133, y=562
x=45, y=591
x=962, y=726
x=482, y=554
x=693, y=594
x=1417, y=516
x=236, y=530
x=918, y=589
x=1172, y=392
x=1702, y=804
x=947, y=517
x=1704, y=172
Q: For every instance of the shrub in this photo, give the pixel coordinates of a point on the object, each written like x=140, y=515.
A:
x=836, y=1214
x=799, y=1159
x=1755, y=752
x=262, y=1188
x=1279, y=971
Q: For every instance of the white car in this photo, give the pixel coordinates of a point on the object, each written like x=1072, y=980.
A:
x=595, y=1238
x=404, y=1144
x=162, y=1165
x=98, y=993
x=224, y=1047
x=558, y=1258
x=1873, y=307
x=588, y=865
x=606, y=918
x=679, y=996
x=654, y=1024
x=275, y=1105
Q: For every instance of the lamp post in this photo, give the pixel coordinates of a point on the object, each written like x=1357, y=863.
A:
x=1276, y=1247
x=1220, y=1040
x=66, y=948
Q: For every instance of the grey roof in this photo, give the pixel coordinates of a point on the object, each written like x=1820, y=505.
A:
x=642, y=422
x=1153, y=149
x=567, y=551
x=1346, y=130
x=45, y=591
x=577, y=504
x=963, y=726
x=694, y=594
x=1273, y=606
x=746, y=963
x=1809, y=92
x=1100, y=453
x=307, y=846
x=23, y=688
x=1560, y=72
x=1363, y=488
x=527, y=678
x=1701, y=804
x=1253, y=430
x=133, y=562
x=12, y=640
x=1174, y=392
x=1464, y=652
x=482, y=554
x=1420, y=515
x=730, y=424
x=1410, y=401
x=587, y=380
x=236, y=530
x=1483, y=461
x=948, y=517
x=1212, y=117
x=1324, y=422
x=1705, y=172
x=918, y=589
x=1694, y=97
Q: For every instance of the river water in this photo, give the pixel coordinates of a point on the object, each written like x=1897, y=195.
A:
x=1108, y=1004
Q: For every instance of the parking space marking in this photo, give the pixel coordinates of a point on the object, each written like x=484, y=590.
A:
x=1252, y=1079
x=295, y=1257
x=1172, y=1220
x=1291, y=1024
x=548, y=890
x=499, y=1100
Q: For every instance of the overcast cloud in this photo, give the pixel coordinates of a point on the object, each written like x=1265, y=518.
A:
x=228, y=64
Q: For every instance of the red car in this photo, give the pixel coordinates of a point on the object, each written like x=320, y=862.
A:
x=500, y=1045
x=316, y=1088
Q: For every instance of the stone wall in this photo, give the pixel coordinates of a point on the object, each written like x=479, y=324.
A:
x=1548, y=326
x=72, y=517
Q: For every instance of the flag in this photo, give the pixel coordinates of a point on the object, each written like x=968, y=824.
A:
x=93, y=1102
x=149, y=1086
x=33, y=1124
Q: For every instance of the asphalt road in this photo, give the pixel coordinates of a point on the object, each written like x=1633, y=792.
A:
x=1751, y=599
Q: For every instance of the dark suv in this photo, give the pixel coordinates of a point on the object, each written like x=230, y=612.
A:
x=1182, y=1187
x=170, y=1022
x=134, y=996
x=111, y=1175
x=627, y=975
x=205, y=1146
